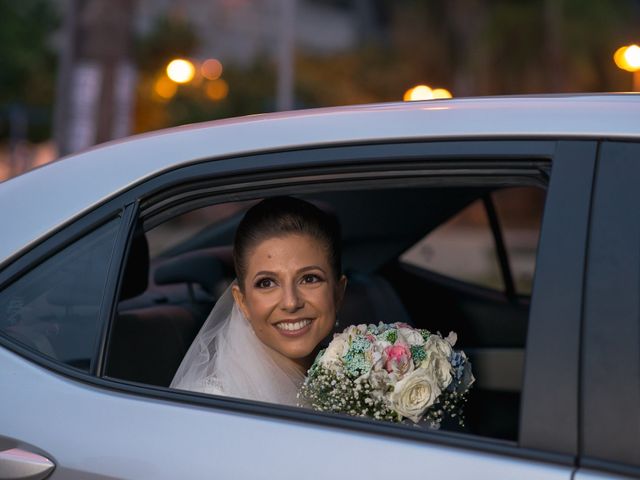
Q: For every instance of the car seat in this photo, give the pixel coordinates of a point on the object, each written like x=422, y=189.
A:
x=147, y=342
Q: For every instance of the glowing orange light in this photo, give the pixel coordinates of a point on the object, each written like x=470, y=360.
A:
x=421, y=92
x=618, y=58
x=211, y=69
x=181, y=70
x=441, y=93
x=217, y=89
x=165, y=88
x=632, y=57
x=628, y=58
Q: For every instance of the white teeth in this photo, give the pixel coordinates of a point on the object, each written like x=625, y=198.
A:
x=291, y=327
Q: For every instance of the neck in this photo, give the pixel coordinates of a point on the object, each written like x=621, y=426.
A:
x=301, y=365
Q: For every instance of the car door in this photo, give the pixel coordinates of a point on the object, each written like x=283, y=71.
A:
x=94, y=426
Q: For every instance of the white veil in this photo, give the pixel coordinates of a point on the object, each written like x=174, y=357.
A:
x=227, y=358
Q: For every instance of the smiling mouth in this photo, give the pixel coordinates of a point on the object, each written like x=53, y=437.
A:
x=293, y=327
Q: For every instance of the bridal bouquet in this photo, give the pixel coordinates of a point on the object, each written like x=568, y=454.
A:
x=389, y=372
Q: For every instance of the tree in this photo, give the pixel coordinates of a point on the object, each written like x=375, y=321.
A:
x=27, y=75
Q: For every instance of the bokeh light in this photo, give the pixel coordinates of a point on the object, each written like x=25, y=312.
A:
x=181, y=70
x=165, y=88
x=420, y=92
x=217, y=89
x=628, y=58
x=441, y=93
x=211, y=69
x=632, y=57
x=423, y=92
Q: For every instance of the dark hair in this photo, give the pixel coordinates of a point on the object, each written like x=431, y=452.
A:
x=280, y=216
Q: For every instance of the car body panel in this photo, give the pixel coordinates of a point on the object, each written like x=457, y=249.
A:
x=68, y=187
x=165, y=440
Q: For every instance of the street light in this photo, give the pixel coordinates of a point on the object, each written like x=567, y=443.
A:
x=423, y=92
x=628, y=58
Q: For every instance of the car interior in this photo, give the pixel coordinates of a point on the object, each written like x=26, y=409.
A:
x=167, y=293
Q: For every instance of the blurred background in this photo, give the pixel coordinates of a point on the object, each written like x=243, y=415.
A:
x=74, y=73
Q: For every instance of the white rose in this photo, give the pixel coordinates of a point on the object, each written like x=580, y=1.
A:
x=439, y=367
x=410, y=336
x=415, y=393
x=437, y=345
x=332, y=356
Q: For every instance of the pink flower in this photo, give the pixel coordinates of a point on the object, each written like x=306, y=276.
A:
x=398, y=359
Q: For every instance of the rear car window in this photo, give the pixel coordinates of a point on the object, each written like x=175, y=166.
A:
x=466, y=249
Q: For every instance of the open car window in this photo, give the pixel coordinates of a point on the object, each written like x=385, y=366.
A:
x=392, y=239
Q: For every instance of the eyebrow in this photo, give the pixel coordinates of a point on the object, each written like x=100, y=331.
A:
x=302, y=270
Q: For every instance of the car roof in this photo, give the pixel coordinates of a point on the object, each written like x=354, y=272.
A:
x=39, y=202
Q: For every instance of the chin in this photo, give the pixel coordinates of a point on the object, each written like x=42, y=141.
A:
x=298, y=353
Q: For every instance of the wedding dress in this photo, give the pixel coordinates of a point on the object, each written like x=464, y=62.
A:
x=227, y=358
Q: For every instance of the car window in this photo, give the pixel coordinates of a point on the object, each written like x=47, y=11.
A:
x=464, y=248
x=54, y=308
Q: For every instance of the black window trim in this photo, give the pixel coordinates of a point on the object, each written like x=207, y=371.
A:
x=112, y=287
x=555, y=324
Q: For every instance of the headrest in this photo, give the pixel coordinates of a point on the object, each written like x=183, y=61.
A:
x=204, y=267
x=136, y=273
x=370, y=299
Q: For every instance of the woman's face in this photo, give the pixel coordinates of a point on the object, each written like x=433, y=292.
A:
x=290, y=294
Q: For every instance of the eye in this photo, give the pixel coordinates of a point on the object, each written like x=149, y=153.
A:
x=311, y=278
x=264, y=283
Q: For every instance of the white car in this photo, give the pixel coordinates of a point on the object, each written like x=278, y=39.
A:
x=111, y=259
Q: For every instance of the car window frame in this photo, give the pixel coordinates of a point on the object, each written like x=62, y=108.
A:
x=234, y=172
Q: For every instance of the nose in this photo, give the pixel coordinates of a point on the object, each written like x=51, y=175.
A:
x=291, y=300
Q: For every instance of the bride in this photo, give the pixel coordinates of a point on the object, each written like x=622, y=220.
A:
x=263, y=333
